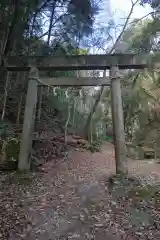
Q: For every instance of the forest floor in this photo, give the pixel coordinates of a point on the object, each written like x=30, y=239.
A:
x=74, y=200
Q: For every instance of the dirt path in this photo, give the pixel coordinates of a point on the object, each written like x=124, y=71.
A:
x=71, y=201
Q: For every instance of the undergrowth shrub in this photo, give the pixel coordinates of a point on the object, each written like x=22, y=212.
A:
x=9, y=147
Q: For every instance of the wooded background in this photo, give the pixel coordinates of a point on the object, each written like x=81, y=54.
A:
x=63, y=27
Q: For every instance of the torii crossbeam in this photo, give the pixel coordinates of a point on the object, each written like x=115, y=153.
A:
x=81, y=62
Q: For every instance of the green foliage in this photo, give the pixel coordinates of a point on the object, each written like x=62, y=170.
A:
x=6, y=130
x=140, y=89
x=9, y=154
x=141, y=36
x=24, y=31
x=154, y=3
x=145, y=192
x=12, y=149
x=94, y=146
x=79, y=51
x=60, y=101
x=9, y=147
x=23, y=23
x=144, y=39
x=56, y=109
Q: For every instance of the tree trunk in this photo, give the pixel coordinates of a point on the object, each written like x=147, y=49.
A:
x=93, y=110
x=5, y=95
x=51, y=22
x=19, y=108
x=104, y=74
x=66, y=125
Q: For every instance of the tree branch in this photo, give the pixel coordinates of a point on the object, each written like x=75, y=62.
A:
x=102, y=89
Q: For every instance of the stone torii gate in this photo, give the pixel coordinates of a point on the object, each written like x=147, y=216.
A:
x=112, y=62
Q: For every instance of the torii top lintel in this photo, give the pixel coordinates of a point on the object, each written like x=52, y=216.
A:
x=81, y=62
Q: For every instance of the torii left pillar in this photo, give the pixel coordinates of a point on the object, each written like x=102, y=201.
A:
x=29, y=119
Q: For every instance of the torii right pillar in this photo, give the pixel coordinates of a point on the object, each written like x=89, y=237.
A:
x=118, y=122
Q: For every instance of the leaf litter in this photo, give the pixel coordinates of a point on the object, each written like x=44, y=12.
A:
x=77, y=201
